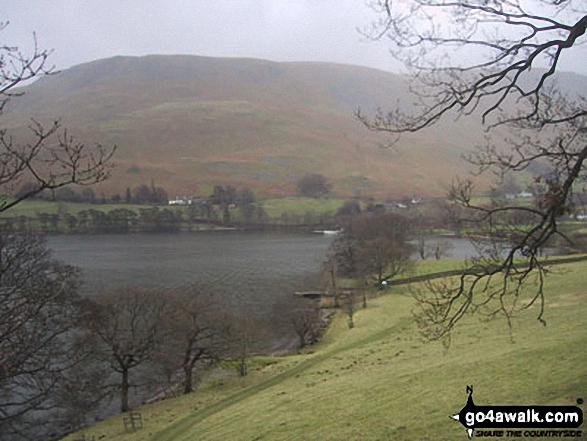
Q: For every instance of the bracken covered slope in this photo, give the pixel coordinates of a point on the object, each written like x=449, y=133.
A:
x=192, y=122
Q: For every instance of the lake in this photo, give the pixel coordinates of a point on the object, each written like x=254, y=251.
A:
x=246, y=271
x=237, y=264
x=249, y=267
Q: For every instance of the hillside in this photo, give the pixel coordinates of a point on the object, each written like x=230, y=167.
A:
x=192, y=122
x=379, y=381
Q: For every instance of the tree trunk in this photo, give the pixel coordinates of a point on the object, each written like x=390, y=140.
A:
x=189, y=381
x=334, y=291
x=124, y=387
x=242, y=367
x=302, y=337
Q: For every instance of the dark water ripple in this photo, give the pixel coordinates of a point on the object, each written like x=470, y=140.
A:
x=247, y=270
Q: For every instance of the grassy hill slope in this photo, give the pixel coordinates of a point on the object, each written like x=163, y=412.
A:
x=379, y=381
x=192, y=122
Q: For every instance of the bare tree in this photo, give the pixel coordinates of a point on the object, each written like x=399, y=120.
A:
x=302, y=316
x=514, y=49
x=509, y=39
x=126, y=328
x=373, y=245
x=49, y=157
x=349, y=306
x=38, y=309
x=422, y=247
x=243, y=335
x=198, y=332
x=82, y=391
x=307, y=324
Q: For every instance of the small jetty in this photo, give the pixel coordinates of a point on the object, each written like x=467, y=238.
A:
x=315, y=295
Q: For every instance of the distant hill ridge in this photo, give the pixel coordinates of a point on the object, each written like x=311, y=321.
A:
x=192, y=122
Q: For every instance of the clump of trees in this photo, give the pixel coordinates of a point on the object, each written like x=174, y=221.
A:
x=373, y=247
x=314, y=185
x=63, y=356
x=304, y=317
x=223, y=195
x=39, y=307
x=349, y=209
x=64, y=194
x=147, y=338
x=225, y=198
x=118, y=220
x=145, y=194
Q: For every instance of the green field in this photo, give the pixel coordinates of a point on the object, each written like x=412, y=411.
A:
x=380, y=381
x=301, y=205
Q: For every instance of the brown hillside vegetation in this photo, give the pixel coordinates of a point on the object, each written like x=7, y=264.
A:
x=193, y=122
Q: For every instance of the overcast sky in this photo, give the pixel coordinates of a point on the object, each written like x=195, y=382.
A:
x=281, y=30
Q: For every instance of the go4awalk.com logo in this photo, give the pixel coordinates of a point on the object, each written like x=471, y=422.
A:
x=520, y=421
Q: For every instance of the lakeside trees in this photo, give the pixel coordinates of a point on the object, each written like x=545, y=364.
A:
x=159, y=341
x=514, y=48
x=199, y=332
x=143, y=194
x=126, y=328
x=39, y=303
x=305, y=318
x=373, y=245
x=39, y=306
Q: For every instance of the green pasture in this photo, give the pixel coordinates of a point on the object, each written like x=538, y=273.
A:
x=381, y=381
x=301, y=205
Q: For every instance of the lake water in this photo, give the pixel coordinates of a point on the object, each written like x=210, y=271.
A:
x=226, y=260
x=246, y=271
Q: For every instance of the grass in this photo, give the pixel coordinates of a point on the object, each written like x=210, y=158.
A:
x=430, y=266
x=379, y=381
x=433, y=266
x=301, y=205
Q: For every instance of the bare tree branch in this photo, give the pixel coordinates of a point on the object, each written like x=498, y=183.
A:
x=505, y=82
x=49, y=157
x=511, y=41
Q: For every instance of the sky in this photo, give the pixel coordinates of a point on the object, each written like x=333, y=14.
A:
x=280, y=30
